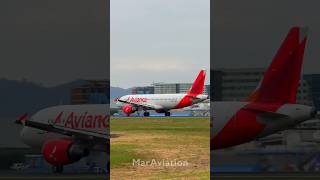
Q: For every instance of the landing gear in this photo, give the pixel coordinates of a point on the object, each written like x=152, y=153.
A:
x=57, y=169
x=146, y=114
x=167, y=113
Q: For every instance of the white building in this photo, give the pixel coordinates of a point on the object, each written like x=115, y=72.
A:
x=173, y=88
x=237, y=84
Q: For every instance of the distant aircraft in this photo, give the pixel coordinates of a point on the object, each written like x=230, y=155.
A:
x=163, y=103
x=200, y=109
x=67, y=133
x=272, y=106
x=203, y=106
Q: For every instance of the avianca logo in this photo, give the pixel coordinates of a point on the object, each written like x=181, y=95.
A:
x=137, y=100
x=85, y=120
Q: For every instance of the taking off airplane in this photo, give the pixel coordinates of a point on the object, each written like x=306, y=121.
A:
x=163, y=103
x=67, y=133
x=272, y=106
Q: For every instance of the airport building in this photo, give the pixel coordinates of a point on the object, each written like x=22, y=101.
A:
x=304, y=94
x=166, y=88
x=313, y=88
x=174, y=88
x=91, y=92
x=143, y=90
x=237, y=84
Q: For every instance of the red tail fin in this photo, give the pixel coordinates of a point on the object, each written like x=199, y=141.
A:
x=281, y=80
x=198, y=84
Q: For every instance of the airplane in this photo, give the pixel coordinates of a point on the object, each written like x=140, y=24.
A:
x=67, y=133
x=272, y=105
x=200, y=109
x=163, y=103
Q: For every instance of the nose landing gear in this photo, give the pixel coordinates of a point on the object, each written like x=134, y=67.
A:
x=146, y=114
x=57, y=169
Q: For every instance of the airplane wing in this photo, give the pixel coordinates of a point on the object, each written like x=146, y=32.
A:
x=80, y=134
x=144, y=105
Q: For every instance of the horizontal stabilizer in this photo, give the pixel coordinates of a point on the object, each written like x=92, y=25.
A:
x=265, y=110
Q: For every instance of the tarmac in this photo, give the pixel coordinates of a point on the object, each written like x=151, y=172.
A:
x=70, y=176
x=267, y=176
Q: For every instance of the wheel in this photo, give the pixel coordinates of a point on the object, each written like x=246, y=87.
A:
x=167, y=113
x=57, y=169
x=146, y=114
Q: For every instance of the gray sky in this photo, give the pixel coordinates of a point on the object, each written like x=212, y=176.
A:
x=53, y=41
x=158, y=41
x=247, y=33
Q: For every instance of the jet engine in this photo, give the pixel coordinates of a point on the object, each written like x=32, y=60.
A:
x=63, y=151
x=128, y=109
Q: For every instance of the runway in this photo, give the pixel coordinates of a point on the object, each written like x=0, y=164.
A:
x=267, y=176
x=20, y=175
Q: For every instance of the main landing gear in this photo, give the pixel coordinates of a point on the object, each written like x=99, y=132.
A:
x=166, y=113
x=146, y=114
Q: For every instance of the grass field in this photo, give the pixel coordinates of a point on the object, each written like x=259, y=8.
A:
x=167, y=139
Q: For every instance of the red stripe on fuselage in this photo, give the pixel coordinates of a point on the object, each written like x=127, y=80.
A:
x=185, y=101
x=242, y=127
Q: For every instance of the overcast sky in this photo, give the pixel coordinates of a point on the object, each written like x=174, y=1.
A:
x=158, y=41
x=247, y=33
x=56, y=41
x=53, y=41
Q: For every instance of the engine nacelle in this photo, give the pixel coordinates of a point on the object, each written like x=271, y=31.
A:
x=63, y=151
x=128, y=109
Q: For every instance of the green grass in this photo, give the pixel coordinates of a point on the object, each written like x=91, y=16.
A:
x=167, y=125
x=122, y=154
x=187, y=137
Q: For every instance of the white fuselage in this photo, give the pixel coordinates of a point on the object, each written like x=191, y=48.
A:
x=92, y=118
x=162, y=101
x=235, y=123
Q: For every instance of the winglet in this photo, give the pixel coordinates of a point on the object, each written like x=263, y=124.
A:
x=22, y=118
